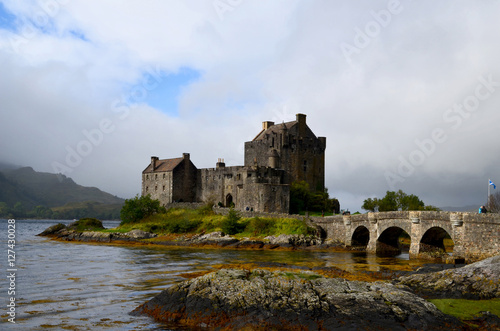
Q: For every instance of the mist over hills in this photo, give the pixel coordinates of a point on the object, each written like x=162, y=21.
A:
x=25, y=192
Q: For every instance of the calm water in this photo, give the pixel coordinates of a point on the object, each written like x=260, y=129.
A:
x=77, y=286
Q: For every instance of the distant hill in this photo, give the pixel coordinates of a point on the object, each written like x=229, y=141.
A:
x=23, y=190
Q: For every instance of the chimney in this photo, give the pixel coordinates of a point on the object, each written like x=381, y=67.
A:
x=220, y=163
x=154, y=159
x=267, y=124
x=301, y=119
x=185, y=156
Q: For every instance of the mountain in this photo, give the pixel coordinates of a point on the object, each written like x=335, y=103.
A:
x=29, y=189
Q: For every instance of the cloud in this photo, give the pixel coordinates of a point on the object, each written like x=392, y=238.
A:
x=69, y=67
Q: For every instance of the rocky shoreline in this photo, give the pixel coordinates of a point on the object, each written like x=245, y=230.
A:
x=213, y=239
x=258, y=299
x=233, y=299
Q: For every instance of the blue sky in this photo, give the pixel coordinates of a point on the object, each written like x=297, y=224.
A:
x=166, y=88
x=7, y=19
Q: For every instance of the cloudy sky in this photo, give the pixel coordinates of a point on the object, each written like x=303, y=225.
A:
x=406, y=92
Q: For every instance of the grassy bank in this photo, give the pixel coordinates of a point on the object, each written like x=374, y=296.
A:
x=467, y=310
x=184, y=221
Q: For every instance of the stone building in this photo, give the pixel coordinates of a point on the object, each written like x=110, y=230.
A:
x=279, y=155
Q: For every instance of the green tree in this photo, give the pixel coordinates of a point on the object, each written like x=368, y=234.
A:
x=19, y=210
x=230, y=224
x=4, y=209
x=302, y=199
x=370, y=204
x=396, y=201
x=136, y=209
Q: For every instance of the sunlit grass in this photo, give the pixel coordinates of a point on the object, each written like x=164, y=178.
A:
x=188, y=222
x=466, y=309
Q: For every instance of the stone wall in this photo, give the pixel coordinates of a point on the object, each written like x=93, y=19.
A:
x=475, y=236
x=158, y=185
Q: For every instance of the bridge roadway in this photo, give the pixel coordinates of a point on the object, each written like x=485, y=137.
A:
x=475, y=236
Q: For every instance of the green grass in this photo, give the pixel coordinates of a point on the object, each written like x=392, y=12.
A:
x=467, y=309
x=180, y=221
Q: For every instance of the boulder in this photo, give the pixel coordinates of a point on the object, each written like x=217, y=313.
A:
x=52, y=230
x=479, y=280
x=236, y=299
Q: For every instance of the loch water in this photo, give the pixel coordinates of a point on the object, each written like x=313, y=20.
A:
x=82, y=286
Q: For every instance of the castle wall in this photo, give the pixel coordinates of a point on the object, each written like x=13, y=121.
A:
x=158, y=185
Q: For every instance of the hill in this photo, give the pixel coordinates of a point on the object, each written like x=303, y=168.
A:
x=25, y=192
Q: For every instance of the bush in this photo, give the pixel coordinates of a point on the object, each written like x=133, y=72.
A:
x=260, y=226
x=138, y=208
x=181, y=226
x=230, y=224
x=86, y=224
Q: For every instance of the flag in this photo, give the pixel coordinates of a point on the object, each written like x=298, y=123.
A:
x=494, y=186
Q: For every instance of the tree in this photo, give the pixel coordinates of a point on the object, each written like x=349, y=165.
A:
x=19, y=210
x=302, y=199
x=230, y=224
x=396, y=201
x=138, y=208
x=494, y=203
x=4, y=210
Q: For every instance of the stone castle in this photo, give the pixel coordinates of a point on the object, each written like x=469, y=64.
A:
x=278, y=156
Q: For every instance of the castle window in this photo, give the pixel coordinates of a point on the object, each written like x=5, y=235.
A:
x=156, y=176
x=147, y=176
x=249, y=175
x=164, y=177
x=305, y=165
x=156, y=188
x=147, y=188
x=163, y=187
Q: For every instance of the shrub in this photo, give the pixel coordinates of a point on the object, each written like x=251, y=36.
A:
x=86, y=224
x=230, y=224
x=138, y=208
x=260, y=226
x=181, y=226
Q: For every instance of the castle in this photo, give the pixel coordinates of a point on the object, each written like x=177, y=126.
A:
x=278, y=156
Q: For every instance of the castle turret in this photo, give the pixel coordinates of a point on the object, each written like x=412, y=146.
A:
x=273, y=158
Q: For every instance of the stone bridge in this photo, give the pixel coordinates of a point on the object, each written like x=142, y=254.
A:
x=475, y=236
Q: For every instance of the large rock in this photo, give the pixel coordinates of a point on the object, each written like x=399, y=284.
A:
x=479, y=280
x=262, y=300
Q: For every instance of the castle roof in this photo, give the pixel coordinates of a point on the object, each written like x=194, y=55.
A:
x=164, y=165
x=274, y=129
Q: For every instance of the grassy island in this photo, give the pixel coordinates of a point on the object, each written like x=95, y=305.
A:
x=204, y=220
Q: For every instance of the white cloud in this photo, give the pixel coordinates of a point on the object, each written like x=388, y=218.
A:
x=257, y=61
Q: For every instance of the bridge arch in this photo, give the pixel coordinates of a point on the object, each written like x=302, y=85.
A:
x=360, y=237
x=388, y=243
x=432, y=242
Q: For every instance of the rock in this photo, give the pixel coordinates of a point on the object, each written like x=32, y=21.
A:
x=62, y=232
x=213, y=238
x=239, y=299
x=293, y=240
x=479, y=280
x=139, y=234
x=52, y=230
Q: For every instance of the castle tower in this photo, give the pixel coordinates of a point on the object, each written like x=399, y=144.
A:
x=293, y=147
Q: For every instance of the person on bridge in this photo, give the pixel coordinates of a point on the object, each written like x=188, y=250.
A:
x=482, y=210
